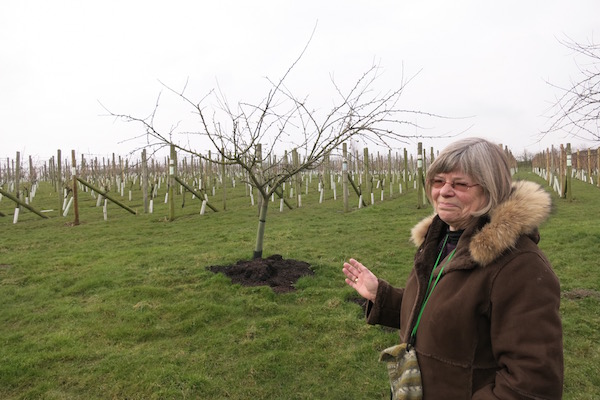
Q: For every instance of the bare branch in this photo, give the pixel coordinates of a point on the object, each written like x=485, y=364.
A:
x=576, y=112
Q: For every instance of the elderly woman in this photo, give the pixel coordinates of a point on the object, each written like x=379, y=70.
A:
x=490, y=328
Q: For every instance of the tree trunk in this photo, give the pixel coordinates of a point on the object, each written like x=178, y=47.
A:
x=260, y=234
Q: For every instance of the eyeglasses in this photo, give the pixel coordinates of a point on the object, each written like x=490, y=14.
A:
x=438, y=183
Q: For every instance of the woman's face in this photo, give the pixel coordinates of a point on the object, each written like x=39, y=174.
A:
x=455, y=205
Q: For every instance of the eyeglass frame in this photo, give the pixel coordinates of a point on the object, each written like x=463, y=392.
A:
x=462, y=187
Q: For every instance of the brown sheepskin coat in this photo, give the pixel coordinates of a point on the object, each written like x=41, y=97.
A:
x=491, y=329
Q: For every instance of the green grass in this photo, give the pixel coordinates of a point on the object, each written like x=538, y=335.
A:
x=125, y=309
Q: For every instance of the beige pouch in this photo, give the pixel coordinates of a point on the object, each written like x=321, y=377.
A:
x=404, y=372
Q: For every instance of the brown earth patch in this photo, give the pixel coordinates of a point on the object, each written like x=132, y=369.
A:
x=274, y=271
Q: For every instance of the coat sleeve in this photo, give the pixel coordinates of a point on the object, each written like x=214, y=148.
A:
x=526, y=332
x=386, y=308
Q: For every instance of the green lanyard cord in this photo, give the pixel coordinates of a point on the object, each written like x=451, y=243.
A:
x=428, y=292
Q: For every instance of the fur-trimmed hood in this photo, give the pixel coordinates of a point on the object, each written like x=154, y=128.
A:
x=528, y=206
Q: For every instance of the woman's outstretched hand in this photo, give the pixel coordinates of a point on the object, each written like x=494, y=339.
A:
x=361, y=279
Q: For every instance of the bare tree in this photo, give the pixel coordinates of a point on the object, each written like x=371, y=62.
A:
x=282, y=117
x=577, y=110
x=525, y=156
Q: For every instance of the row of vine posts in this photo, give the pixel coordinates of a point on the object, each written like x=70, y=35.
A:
x=107, y=179
x=558, y=166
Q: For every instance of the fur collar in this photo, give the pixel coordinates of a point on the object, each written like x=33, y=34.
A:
x=528, y=206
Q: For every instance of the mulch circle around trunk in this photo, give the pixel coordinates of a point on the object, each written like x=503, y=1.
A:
x=274, y=271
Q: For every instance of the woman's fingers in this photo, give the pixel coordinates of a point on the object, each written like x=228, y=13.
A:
x=353, y=269
x=353, y=266
x=361, y=279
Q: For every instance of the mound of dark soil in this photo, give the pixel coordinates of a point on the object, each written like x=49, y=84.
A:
x=273, y=271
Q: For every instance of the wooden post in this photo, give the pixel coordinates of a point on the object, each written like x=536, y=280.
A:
x=562, y=174
x=121, y=170
x=224, y=179
x=327, y=172
x=405, y=174
x=172, y=164
x=32, y=173
x=59, y=186
x=549, y=166
x=285, y=166
x=578, y=166
x=297, y=182
x=420, y=201
x=51, y=167
x=554, y=164
x=569, y=192
x=589, y=161
x=74, y=174
x=367, y=181
x=8, y=170
x=345, y=176
x=8, y=174
x=18, y=176
x=209, y=173
x=145, y=180
x=598, y=167
x=113, y=172
x=389, y=173
x=431, y=159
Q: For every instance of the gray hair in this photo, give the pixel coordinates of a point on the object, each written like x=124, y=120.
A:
x=482, y=161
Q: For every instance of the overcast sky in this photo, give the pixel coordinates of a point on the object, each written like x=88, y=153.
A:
x=490, y=60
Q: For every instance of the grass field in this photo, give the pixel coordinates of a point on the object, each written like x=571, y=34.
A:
x=125, y=309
